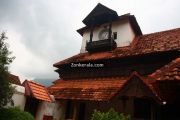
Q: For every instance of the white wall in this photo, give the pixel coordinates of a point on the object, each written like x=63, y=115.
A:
x=125, y=34
x=55, y=109
x=18, y=97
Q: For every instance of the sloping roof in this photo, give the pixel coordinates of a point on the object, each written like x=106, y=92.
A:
x=100, y=89
x=146, y=44
x=168, y=72
x=36, y=90
x=14, y=79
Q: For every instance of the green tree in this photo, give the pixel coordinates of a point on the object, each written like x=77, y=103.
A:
x=110, y=115
x=14, y=113
x=6, y=90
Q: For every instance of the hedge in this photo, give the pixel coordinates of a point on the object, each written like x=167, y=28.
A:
x=14, y=113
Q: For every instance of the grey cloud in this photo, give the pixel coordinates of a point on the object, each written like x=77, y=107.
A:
x=46, y=34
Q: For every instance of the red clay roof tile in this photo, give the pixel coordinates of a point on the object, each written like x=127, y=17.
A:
x=36, y=90
x=100, y=89
x=87, y=89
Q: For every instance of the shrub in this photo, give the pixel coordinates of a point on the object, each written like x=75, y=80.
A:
x=14, y=113
x=110, y=115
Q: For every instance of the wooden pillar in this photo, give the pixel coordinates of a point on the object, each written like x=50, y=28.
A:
x=92, y=27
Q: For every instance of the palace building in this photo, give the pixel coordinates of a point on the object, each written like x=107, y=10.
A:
x=119, y=67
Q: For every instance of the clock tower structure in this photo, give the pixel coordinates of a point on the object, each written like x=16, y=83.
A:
x=105, y=30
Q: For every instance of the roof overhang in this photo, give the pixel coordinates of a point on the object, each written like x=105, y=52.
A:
x=129, y=17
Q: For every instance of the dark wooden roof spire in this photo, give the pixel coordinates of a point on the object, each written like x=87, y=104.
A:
x=100, y=14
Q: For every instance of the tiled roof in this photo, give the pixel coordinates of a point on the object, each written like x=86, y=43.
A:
x=99, y=89
x=151, y=43
x=14, y=79
x=168, y=72
x=167, y=84
x=36, y=90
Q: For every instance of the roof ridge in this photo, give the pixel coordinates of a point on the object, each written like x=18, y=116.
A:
x=169, y=30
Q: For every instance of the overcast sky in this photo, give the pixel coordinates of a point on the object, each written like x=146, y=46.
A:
x=42, y=32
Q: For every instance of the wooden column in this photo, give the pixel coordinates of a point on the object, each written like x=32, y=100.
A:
x=92, y=27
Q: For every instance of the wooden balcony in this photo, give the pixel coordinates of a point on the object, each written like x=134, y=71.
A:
x=101, y=45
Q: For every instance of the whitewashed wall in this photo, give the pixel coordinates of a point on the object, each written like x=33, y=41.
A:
x=18, y=97
x=55, y=109
x=125, y=34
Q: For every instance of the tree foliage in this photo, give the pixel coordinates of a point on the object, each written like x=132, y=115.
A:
x=6, y=91
x=110, y=115
x=14, y=113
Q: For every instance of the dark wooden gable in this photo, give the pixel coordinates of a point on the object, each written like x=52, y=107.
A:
x=138, y=88
x=99, y=15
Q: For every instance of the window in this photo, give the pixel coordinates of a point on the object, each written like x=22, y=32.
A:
x=115, y=35
x=142, y=109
